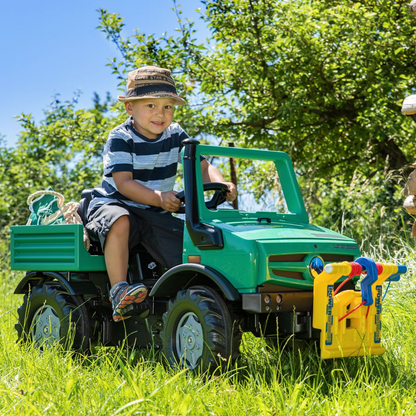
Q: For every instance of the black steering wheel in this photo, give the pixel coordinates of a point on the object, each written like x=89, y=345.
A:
x=217, y=199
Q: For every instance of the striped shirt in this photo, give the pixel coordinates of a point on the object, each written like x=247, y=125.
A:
x=153, y=163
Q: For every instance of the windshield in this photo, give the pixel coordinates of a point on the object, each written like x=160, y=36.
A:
x=257, y=181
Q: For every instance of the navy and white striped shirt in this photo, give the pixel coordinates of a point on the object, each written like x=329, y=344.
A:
x=153, y=163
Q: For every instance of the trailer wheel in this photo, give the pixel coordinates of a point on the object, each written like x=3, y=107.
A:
x=198, y=332
x=48, y=316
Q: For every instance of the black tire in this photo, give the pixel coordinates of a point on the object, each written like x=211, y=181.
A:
x=49, y=316
x=200, y=316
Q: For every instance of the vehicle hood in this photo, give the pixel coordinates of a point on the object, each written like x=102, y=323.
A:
x=281, y=230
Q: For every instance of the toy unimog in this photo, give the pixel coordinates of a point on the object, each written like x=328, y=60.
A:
x=244, y=269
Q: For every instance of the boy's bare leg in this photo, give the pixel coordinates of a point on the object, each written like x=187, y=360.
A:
x=116, y=253
x=116, y=250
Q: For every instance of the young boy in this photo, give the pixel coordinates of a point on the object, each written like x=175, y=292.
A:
x=136, y=200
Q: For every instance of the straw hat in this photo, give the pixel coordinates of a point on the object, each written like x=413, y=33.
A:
x=151, y=82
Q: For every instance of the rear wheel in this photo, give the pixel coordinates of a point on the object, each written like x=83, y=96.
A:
x=48, y=316
x=198, y=331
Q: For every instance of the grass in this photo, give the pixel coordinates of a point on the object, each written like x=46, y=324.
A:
x=269, y=379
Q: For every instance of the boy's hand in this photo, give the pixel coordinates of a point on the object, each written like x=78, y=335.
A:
x=232, y=192
x=169, y=202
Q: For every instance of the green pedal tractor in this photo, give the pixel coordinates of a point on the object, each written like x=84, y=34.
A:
x=245, y=268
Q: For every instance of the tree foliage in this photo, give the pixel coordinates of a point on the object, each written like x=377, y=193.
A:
x=321, y=80
x=62, y=151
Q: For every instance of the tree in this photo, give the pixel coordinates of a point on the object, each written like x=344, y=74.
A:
x=322, y=80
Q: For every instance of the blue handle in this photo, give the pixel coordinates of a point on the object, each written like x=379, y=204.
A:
x=396, y=276
x=372, y=276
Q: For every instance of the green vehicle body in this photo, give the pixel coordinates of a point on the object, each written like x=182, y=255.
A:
x=259, y=263
x=252, y=239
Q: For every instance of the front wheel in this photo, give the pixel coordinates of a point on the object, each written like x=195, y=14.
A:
x=198, y=332
x=48, y=317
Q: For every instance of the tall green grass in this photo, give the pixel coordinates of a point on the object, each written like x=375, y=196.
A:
x=287, y=378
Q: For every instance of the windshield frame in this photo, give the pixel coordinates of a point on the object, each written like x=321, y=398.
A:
x=290, y=187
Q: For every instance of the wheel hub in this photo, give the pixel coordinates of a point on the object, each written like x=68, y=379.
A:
x=46, y=327
x=189, y=340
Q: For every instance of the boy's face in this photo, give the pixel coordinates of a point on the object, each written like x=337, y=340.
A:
x=151, y=116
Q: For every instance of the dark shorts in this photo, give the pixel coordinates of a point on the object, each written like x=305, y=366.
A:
x=160, y=234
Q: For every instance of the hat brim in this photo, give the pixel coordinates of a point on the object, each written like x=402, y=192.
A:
x=178, y=100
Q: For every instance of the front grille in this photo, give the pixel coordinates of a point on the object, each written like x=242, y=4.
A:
x=294, y=266
x=287, y=258
x=291, y=275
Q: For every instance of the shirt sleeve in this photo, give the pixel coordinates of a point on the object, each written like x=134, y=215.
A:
x=118, y=154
